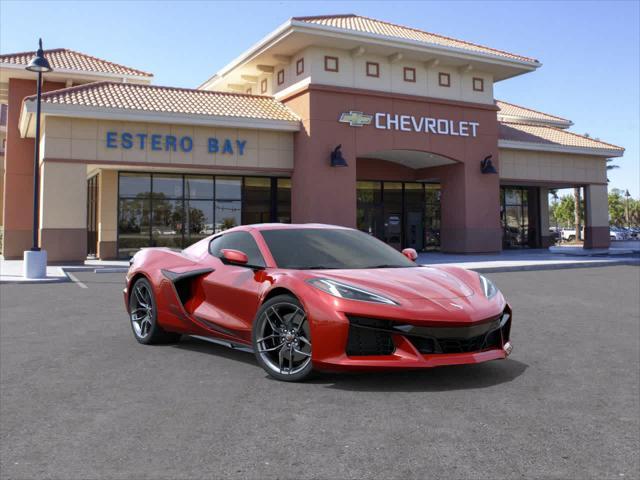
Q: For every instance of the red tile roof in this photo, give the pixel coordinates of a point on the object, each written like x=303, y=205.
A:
x=65, y=59
x=152, y=98
x=544, y=135
x=370, y=25
x=513, y=110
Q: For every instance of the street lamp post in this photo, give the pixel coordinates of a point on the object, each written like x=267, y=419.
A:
x=35, y=260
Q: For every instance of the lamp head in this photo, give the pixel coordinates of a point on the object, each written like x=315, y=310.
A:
x=486, y=166
x=39, y=62
x=337, y=160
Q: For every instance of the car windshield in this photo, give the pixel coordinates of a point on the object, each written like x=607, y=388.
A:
x=331, y=248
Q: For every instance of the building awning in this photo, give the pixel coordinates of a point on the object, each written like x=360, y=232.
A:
x=545, y=138
x=149, y=103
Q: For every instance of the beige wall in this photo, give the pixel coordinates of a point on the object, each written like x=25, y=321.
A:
x=551, y=167
x=80, y=139
x=108, y=206
x=597, y=212
x=63, y=195
x=352, y=73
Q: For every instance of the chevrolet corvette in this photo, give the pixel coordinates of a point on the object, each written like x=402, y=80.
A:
x=316, y=297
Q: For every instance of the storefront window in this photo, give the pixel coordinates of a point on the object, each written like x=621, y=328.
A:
x=401, y=214
x=257, y=200
x=518, y=217
x=228, y=203
x=168, y=210
x=283, y=200
x=369, y=214
x=432, y=216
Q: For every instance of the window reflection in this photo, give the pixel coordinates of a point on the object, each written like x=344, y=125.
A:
x=169, y=210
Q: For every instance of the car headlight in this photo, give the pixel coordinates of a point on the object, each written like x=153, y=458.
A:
x=488, y=287
x=349, y=292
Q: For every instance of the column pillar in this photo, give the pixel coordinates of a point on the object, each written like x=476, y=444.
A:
x=63, y=211
x=18, y=172
x=546, y=240
x=470, y=210
x=321, y=193
x=107, y=214
x=596, y=216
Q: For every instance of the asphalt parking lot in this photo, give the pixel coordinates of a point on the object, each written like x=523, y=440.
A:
x=81, y=399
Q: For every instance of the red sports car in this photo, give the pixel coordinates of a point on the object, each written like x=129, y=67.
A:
x=305, y=297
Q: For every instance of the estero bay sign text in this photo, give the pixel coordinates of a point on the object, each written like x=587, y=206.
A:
x=171, y=143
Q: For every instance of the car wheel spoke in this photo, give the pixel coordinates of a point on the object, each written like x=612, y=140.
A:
x=273, y=335
x=271, y=349
x=300, y=352
x=282, y=341
x=140, y=297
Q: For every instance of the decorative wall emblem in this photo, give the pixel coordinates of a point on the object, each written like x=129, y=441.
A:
x=356, y=119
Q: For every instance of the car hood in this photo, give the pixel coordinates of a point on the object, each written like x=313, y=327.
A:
x=403, y=283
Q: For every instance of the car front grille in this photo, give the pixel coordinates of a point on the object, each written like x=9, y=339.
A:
x=370, y=336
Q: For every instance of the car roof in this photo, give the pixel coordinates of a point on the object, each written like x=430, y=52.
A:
x=287, y=226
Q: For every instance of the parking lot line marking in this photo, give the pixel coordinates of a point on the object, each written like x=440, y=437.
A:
x=75, y=280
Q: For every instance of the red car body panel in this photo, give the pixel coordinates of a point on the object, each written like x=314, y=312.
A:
x=223, y=300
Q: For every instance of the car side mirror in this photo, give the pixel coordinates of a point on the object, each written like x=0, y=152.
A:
x=410, y=253
x=235, y=257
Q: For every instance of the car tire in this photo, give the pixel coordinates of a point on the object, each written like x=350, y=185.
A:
x=143, y=316
x=281, y=339
x=571, y=238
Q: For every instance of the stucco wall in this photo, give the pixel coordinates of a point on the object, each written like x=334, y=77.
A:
x=85, y=140
x=352, y=73
x=551, y=167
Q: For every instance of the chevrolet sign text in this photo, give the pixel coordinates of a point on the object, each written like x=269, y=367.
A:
x=438, y=126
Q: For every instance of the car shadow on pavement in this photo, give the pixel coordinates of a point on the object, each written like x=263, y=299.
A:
x=202, y=346
x=461, y=377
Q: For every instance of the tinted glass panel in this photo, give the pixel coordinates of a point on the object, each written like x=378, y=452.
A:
x=199, y=220
x=198, y=187
x=241, y=241
x=392, y=197
x=283, y=207
x=167, y=186
x=133, y=225
x=228, y=214
x=134, y=184
x=331, y=248
x=256, y=200
x=228, y=188
x=167, y=223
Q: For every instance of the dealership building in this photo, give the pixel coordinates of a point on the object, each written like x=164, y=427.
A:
x=336, y=119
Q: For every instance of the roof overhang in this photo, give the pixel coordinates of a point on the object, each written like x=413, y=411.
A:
x=555, y=148
x=27, y=118
x=294, y=35
x=13, y=70
x=533, y=121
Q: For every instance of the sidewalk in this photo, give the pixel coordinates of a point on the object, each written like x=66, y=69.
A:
x=11, y=270
x=518, y=260
x=506, y=261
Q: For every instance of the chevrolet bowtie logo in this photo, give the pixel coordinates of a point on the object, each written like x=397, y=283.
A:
x=355, y=119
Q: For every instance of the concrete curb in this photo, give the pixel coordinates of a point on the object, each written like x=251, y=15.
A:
x=563, y=266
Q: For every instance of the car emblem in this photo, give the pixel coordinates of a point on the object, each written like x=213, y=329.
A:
x=355, y=119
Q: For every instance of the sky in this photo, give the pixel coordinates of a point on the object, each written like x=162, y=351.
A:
x=590, y=51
